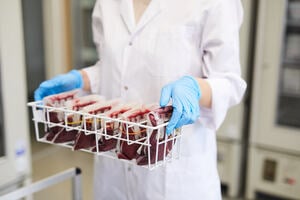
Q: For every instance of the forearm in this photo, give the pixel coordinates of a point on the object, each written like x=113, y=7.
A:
x=86, y=81
x=206, y=93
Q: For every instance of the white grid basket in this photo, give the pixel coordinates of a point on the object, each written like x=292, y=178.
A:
x=159, y=151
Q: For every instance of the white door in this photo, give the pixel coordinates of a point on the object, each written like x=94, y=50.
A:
x=14, y=140
x=275, y=119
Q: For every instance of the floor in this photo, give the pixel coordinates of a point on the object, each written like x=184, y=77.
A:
x=50, y=159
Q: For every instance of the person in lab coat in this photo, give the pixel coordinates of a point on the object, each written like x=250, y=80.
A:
x=183, y=51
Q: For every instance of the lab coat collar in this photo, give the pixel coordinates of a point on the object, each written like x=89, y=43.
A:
x=154, y=8
x=127, y=12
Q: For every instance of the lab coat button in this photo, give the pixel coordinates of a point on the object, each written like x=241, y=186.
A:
x=125, y=88
x=130, y=43
x=129, y=169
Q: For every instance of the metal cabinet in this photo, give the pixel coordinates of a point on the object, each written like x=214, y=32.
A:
x=275, y=118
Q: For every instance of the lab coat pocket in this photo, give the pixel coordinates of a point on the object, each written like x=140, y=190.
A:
x=171, y=50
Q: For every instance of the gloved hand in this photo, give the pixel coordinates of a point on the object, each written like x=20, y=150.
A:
x=185, y=94
x=58, y=84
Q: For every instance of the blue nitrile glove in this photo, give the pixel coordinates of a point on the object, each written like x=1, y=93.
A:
x=58, y=84
x=185, y=94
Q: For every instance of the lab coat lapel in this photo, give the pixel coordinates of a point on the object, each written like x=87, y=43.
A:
x=155, y=7
x=127, y=14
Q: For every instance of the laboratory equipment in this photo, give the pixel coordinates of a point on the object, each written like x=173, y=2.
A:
x=275, y=111
x=73, y=173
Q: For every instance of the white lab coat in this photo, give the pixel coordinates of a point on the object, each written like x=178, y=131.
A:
x=173, y=38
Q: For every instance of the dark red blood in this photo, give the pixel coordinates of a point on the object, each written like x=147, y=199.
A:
x=109, y=144
x=63, y=96
x=65, y=136
x=88, y=141
x=54, y=117
x=100, y=110
x=53, y=130
x=106, y=144
x=118, y=112
x=83, y=141
x=77, y=106
x=50, y=135
x=59, y=134
x=127, y=151
x=57, y=117
x=142, y=159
